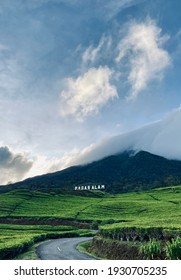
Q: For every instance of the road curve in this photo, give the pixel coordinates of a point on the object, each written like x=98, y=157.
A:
x=62, y=249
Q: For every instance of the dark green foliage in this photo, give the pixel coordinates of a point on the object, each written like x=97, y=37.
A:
x=95, y=224
x=151, y=249
x=173, y=249
x=154, y=250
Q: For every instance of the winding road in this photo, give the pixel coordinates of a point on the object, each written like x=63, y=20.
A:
x=63, y=249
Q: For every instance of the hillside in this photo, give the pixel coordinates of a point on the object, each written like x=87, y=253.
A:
x=120, y=173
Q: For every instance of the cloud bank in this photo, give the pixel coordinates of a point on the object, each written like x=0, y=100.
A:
x=162, y=138
x=13, y=166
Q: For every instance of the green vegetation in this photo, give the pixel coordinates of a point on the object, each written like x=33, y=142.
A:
x=38, y=205
x=155, y=249
x=83, y=247
x=151, y=249
x=134, y=209
x=15, y=239
x=135, y=217
x=29, y=254
x=106, y=248
x=173, y=249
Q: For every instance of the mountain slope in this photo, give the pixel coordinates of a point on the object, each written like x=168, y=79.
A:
x=120, y=173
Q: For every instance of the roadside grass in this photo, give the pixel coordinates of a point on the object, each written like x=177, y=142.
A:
x=83, y=248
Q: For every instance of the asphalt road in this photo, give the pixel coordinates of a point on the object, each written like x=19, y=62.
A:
x=62, y=249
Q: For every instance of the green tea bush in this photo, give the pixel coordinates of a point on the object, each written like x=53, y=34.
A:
x=10, y=250
x=14, y=239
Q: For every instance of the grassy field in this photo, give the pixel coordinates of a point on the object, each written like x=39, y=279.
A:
x=142, y=214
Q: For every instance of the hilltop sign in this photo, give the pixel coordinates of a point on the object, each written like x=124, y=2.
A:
x=89, y=187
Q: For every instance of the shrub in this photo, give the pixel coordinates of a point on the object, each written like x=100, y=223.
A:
x=95, y=225
x=173, y=249
x=152, y=249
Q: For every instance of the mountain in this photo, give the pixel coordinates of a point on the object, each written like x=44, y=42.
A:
x=120, y=173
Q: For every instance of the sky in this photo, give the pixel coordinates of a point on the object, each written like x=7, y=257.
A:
x=80, y=80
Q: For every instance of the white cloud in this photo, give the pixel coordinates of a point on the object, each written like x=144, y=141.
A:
x=43, y=164
x=143, y=49
x=91, y=54
x=15, y=166
x=86, y=94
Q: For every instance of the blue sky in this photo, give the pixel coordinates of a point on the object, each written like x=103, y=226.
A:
x=74, y=72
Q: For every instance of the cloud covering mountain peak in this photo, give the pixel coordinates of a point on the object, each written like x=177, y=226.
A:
x=162, y=138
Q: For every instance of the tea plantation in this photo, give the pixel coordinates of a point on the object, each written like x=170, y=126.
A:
x=30, y=216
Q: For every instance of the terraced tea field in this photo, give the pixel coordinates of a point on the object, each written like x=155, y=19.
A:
x=157, y=211
x=159, y=206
